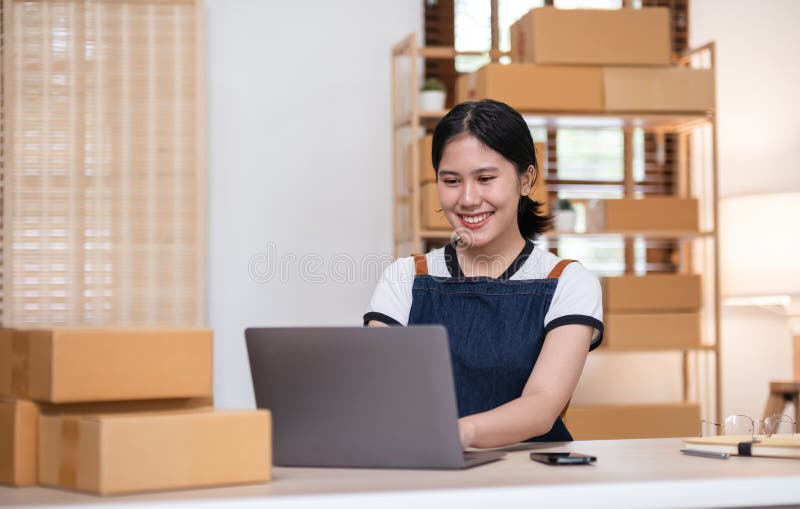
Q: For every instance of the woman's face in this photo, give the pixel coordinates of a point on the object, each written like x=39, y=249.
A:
x=479, y=191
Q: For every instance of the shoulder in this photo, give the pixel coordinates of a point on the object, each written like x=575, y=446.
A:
x=402, y=270
x=540, y=263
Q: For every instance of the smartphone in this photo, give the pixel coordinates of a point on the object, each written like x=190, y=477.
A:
x=562, y=458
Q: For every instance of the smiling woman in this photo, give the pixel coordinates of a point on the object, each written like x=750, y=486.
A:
x=520, y=320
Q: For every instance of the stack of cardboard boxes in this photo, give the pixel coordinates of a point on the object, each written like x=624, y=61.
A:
x=119, y=411
x=592, y=61
x=615, y=62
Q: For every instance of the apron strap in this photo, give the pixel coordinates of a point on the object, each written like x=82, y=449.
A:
x=558, y=269
x=420, y=264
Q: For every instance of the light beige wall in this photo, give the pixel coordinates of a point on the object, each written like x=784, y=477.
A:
x=758, y=79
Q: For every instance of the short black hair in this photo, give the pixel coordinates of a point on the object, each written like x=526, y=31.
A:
x=501, y=128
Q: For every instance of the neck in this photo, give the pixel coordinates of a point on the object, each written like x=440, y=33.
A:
x=493, y=259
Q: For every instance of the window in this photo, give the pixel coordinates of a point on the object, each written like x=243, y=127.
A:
x=102, y=163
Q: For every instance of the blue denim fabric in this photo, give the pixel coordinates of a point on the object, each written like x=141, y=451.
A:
x=496, y=331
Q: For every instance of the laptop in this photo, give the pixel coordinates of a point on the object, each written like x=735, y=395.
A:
x=371, y=397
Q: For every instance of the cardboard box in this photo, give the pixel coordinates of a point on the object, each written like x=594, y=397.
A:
x=6, y=354
x=95, y=364
x=19, y=428
x=651, y=293
x=633, y=421
x=539, y=191
x=126, y=453
x=647, y=214
x=651, y=331
x=672, y=89
x=592, y=37
x=432, y=217
x=18, y=439
x=528, y=87
x=426, y=171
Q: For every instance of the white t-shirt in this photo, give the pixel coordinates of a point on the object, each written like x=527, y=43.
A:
x=577, y=298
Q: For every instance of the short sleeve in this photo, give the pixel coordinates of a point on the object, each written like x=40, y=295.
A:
x=578, y=299
x=391, y=301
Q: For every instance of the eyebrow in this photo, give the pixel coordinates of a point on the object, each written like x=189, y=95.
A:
x=473, y=172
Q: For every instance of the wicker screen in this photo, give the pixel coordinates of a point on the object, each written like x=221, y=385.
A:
x=102, y=164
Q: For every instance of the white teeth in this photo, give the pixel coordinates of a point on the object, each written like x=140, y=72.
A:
x=475, y=219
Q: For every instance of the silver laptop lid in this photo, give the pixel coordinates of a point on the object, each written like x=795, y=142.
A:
x=357, y=396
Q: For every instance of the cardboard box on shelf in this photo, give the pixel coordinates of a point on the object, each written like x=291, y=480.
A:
x=426, y=171
x=18, y=439
x=528, y=87
x=127, y=453
x=651, y=293
x=658, y=90
x=647, y=214
x=432, y=217
x=651, y=331
x=65, y=365
x=633, y=421
x=539, y=190
x=548, y=35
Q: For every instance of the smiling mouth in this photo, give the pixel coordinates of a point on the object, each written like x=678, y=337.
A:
x=475, y=220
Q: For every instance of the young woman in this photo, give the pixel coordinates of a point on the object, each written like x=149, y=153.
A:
x=520, y=320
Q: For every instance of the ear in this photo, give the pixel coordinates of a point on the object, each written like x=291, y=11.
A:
x=527, y=180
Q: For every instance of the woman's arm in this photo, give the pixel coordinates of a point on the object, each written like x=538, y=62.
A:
x=376, y=323
x=547, y=391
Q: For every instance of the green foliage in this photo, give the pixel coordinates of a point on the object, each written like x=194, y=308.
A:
x=564, y=204
x=432, y=84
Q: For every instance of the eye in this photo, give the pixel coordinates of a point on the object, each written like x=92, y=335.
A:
x=486, y=178
x=450, y=181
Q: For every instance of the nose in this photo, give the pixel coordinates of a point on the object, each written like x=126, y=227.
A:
x=470, y=195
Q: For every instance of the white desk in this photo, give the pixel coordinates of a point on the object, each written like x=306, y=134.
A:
x=628, y=473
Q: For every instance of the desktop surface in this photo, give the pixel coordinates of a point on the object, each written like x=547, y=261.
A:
x=630, y=473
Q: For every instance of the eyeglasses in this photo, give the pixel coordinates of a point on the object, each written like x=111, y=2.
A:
x=745, y=425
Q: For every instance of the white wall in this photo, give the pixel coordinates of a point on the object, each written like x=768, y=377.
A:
x=299, y=162
x=758, y=78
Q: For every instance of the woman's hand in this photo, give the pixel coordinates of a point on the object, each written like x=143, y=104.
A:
x=466, y=432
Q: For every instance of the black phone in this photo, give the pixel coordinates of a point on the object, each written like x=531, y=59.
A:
x=562, y=458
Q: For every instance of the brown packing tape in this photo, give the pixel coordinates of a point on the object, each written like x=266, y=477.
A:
x=20, y=366
x=68, y=455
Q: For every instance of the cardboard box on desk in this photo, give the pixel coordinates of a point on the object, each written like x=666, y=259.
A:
x=528, y=87
x=592, y=37
x=651, y=331
x=19, y=428
x=18, y=439
x=633, y=421
x=648, y=214
x=106, y=364
x=658, y=90
x=127, y=453
x=660, y=293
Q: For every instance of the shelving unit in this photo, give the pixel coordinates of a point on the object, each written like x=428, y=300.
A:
x=696, y=177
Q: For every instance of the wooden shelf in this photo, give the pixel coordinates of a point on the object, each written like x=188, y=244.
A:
x=682, y=129
x=673, y=122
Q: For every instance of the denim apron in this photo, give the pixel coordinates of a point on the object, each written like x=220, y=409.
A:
x=496, y=331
